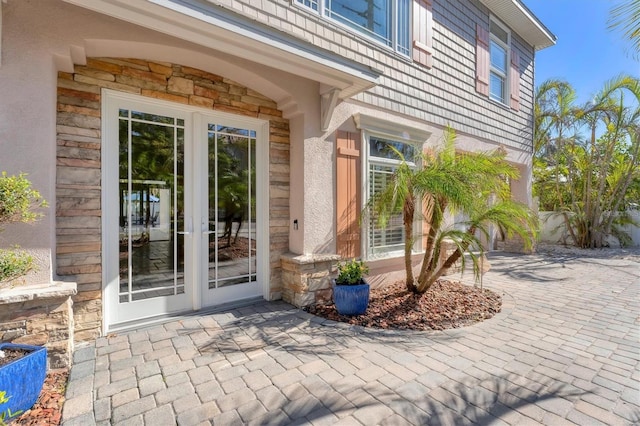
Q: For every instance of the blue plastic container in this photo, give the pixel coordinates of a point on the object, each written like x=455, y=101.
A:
x=22, y=379
x=351, y=299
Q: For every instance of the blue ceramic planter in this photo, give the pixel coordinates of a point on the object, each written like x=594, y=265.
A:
x=22, y=379
x=351, y=299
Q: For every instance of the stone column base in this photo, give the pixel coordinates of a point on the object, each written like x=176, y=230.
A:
x=40, y=315
x=307, y=279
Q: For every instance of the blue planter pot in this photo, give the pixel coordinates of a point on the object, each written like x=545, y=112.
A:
x=22, y=379
x=351, y=299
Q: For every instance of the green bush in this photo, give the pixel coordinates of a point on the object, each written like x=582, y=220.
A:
x=18, y=199
x=14, y=263
x=351, y=271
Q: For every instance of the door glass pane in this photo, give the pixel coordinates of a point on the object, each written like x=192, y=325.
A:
x=151, y=206
x=231, y=206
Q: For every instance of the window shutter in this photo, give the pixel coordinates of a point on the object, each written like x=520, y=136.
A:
x=515, y=80
x=423, y=32
x=482, y=60
x=348, y=198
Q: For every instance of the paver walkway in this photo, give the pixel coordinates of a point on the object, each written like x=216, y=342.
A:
x=565, y=349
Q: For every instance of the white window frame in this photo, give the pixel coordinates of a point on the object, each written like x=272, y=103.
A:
x=493, y=70
x=319, y=7
x=395, y=250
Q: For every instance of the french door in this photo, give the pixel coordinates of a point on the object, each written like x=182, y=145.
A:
x=183, y=226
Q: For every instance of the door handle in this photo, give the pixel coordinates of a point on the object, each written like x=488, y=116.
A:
x=189, y=225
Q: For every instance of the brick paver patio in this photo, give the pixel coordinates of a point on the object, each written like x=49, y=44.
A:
x=564, y=350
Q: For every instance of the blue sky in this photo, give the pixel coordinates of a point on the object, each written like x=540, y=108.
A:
x=586, y=53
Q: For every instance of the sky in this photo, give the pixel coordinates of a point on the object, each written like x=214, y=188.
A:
x=586, y=53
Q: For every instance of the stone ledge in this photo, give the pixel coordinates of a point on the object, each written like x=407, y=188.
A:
x=27, y=292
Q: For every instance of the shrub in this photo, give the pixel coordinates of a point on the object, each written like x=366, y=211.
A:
x=18, y=199
x=14, y=263
x=350, y=272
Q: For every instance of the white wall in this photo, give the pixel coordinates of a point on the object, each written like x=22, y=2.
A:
x=552, y=229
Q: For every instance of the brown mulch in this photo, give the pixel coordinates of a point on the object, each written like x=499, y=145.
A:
x=48, y=408
x=447, y=304
x=11, y=355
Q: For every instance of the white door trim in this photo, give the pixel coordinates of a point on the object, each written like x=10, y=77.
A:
x=109, y=172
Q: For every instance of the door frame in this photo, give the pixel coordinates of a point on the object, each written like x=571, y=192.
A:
x=194, y=119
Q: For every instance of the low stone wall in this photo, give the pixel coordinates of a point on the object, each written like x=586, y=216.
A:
x=514, y=244
x=307, y=279
x=40, y=315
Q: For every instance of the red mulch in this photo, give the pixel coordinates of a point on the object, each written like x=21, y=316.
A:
x=48, y=408
x=447, y=304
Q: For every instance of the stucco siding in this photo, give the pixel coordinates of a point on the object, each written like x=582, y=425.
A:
x=444, y=94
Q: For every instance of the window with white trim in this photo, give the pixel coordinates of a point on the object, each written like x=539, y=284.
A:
x=499, y=54
x=382, y=163
x=386, y=21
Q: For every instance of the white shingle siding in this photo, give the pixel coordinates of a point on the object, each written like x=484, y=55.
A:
x=444, y=94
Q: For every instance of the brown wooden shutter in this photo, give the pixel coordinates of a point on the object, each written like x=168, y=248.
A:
x=348, y=194
x=482, y=60
x=423, y=32
x=514, y=78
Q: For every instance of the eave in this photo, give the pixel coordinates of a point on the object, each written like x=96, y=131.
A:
x=212, y=26
x=522, y=21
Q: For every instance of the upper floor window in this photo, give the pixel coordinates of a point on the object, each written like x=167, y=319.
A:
x=498, y=52
x=386, y=21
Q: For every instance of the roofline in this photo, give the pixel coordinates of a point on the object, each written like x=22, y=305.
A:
x=516, y=14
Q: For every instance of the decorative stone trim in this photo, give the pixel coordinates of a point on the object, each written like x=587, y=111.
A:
x=40, y=314
x=307, y=278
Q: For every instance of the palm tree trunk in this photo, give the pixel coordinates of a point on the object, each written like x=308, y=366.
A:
x=408, y=213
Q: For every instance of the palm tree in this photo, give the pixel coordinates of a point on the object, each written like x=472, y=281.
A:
x=596, y=163
x=626, y=18
x=474, y=185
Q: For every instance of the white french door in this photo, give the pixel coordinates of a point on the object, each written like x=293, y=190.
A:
x=183, y=226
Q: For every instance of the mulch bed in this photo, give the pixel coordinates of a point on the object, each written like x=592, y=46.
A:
x=447, y=304
x=48, y=408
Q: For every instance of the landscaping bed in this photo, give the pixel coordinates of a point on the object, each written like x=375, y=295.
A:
x=447, y=304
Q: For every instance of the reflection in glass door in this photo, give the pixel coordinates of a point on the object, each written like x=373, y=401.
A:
x=167, y=168
x=151, y=193
x=231, y=210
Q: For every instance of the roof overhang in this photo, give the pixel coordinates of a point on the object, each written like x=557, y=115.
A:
x=521, y=20
x=205, y=24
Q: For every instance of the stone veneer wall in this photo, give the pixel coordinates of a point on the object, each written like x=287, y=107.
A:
x=40, y=315
x=307, y=279
x=78, y=190
x=515, y=244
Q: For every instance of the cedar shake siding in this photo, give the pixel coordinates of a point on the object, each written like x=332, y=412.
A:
x=441, y=92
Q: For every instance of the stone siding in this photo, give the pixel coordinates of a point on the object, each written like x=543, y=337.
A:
x=40, y=315
x=514, y=244
x=307, y=279
x=78, y=183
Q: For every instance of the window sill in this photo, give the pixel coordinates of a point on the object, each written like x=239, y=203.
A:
x=499, y=104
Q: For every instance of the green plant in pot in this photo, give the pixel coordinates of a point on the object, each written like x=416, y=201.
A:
x=351, y=291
